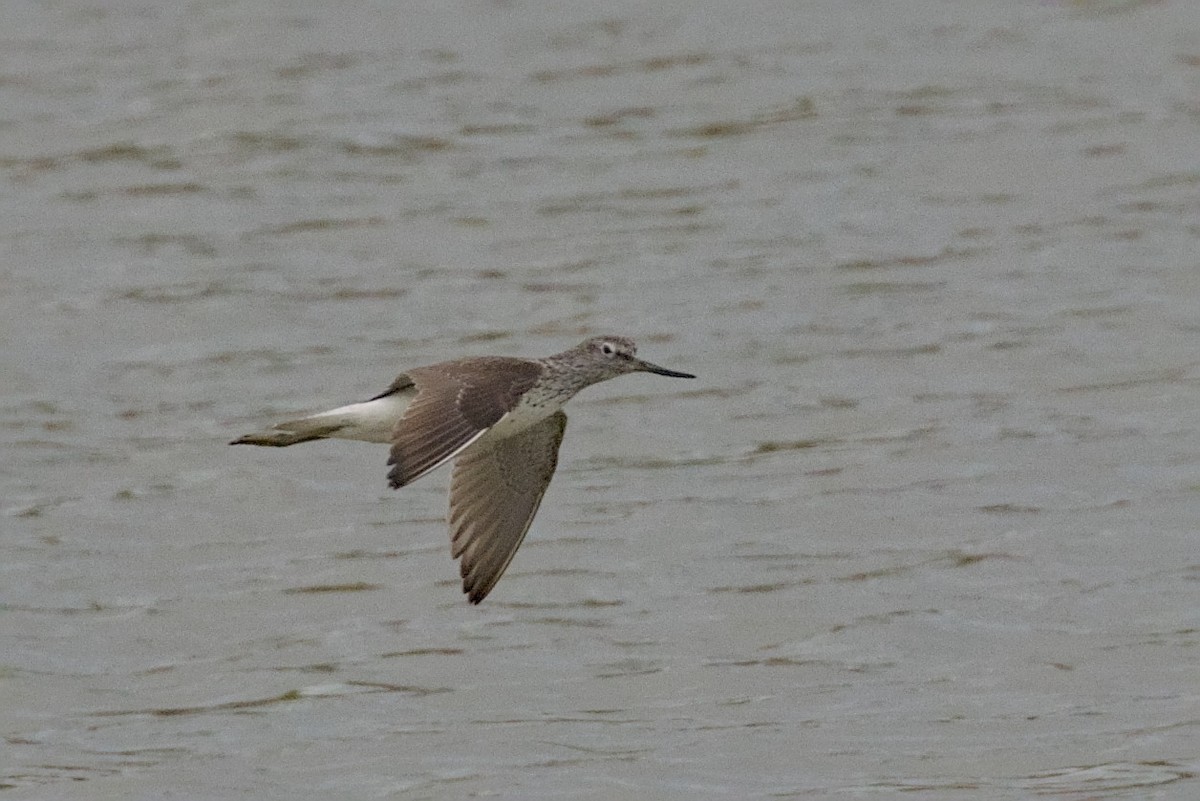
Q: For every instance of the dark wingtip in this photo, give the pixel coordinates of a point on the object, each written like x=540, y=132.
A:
x=395, y=478
x=474, y=593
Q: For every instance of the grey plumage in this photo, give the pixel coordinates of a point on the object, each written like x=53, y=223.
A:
x=501, y=417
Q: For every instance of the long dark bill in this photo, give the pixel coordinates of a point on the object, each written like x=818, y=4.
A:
x=654, y=368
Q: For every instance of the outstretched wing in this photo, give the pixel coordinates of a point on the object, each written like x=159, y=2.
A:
x=494, y=494
x=456, y=403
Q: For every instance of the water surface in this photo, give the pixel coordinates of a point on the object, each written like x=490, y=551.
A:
x=925, y=526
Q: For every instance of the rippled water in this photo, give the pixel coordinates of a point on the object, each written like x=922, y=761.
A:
x=925, y=526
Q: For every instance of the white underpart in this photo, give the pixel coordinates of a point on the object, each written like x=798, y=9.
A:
x=375, y=420
x=369, y=421
x=534, y=407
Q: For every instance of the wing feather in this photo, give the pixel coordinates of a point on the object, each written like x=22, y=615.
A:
x=456, y=403
x=494, y=494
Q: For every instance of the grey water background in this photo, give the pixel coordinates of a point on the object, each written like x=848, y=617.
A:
x=926, y=526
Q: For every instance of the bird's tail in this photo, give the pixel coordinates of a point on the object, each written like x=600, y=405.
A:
x=293, y=432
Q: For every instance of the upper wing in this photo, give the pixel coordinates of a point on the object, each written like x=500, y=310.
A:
x=456, y=403
x=494, y=495
x=401, y=383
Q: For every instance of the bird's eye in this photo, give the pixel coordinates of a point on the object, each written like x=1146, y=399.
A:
x=607, y=349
